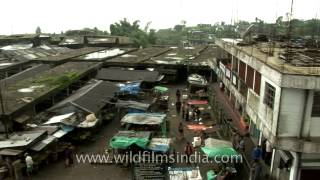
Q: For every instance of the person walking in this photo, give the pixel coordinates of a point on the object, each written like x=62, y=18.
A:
x=256, y=170
x=268, y=155
x=241, y=145
x=178, y=95
x=188, y=150
x=257, y=153
x=180, y=129
x=187, y=112
x=29, y=165
x=183, y=108
x=198, y=113
x=9, y=166
x=68, y=156
x=178, y=107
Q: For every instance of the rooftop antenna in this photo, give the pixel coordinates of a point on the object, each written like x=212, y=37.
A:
x=289, y=32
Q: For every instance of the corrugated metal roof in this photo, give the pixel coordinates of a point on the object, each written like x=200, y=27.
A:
x=118, y=74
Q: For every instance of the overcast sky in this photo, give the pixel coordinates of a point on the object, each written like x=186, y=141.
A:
x=23, y=16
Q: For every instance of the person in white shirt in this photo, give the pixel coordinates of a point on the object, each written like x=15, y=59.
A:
x=29, y=164
x=268, y=153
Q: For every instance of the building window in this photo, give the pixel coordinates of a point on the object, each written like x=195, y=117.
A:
x=257, y=82
x=249, y=77
x=242, y=71
x=269, y=95
x=316, y=104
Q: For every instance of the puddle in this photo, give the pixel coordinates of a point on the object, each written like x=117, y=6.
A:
x=5, y=64
x=128, y=55
x=30, y=89
x=17, y=47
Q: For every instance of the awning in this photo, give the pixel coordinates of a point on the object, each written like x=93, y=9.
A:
x=43, y=143
x=10, y=152
x=22, y=119
x=58, y=119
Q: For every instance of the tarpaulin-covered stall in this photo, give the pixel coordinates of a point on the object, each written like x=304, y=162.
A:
x=144, y=118
x=198, y=86
x=130, y=88
x=216, y=147
x=133, y=106
x=125, y=139
x=146, y=121
x=197, y=79
x=161, y=145
x=161, y=89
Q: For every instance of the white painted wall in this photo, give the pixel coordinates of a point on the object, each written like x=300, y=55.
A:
x=291, y=112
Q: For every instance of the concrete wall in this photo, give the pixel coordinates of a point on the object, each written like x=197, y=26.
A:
x=269, y=116
x=280, y=79
x=292, y=105
x=291, y=112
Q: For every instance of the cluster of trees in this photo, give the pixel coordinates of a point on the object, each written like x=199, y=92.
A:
x=143, y=37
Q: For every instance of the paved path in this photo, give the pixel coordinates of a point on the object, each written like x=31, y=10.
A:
x=112, y=171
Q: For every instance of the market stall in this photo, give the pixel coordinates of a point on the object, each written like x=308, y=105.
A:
x=198, y=86
x=218, y=149
x=161, y=95
x=154, y=122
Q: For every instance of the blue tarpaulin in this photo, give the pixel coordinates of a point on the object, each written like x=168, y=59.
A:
x=131, y=88
x=67, y=128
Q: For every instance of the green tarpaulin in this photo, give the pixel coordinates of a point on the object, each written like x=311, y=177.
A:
x=219, y=151
x=161, y=89
x=122, y=142
x=216, y=147
x=211, y=175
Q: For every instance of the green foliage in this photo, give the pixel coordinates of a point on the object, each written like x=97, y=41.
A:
x=140, y=38
x=61, y=80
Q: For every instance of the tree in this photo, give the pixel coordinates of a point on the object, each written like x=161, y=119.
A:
x=38, y=30
x=152, y=36
x=125, y=28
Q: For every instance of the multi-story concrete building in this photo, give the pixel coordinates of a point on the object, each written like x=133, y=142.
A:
x=278, y=94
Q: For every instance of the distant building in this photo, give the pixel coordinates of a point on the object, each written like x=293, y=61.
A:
x=279, y=94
